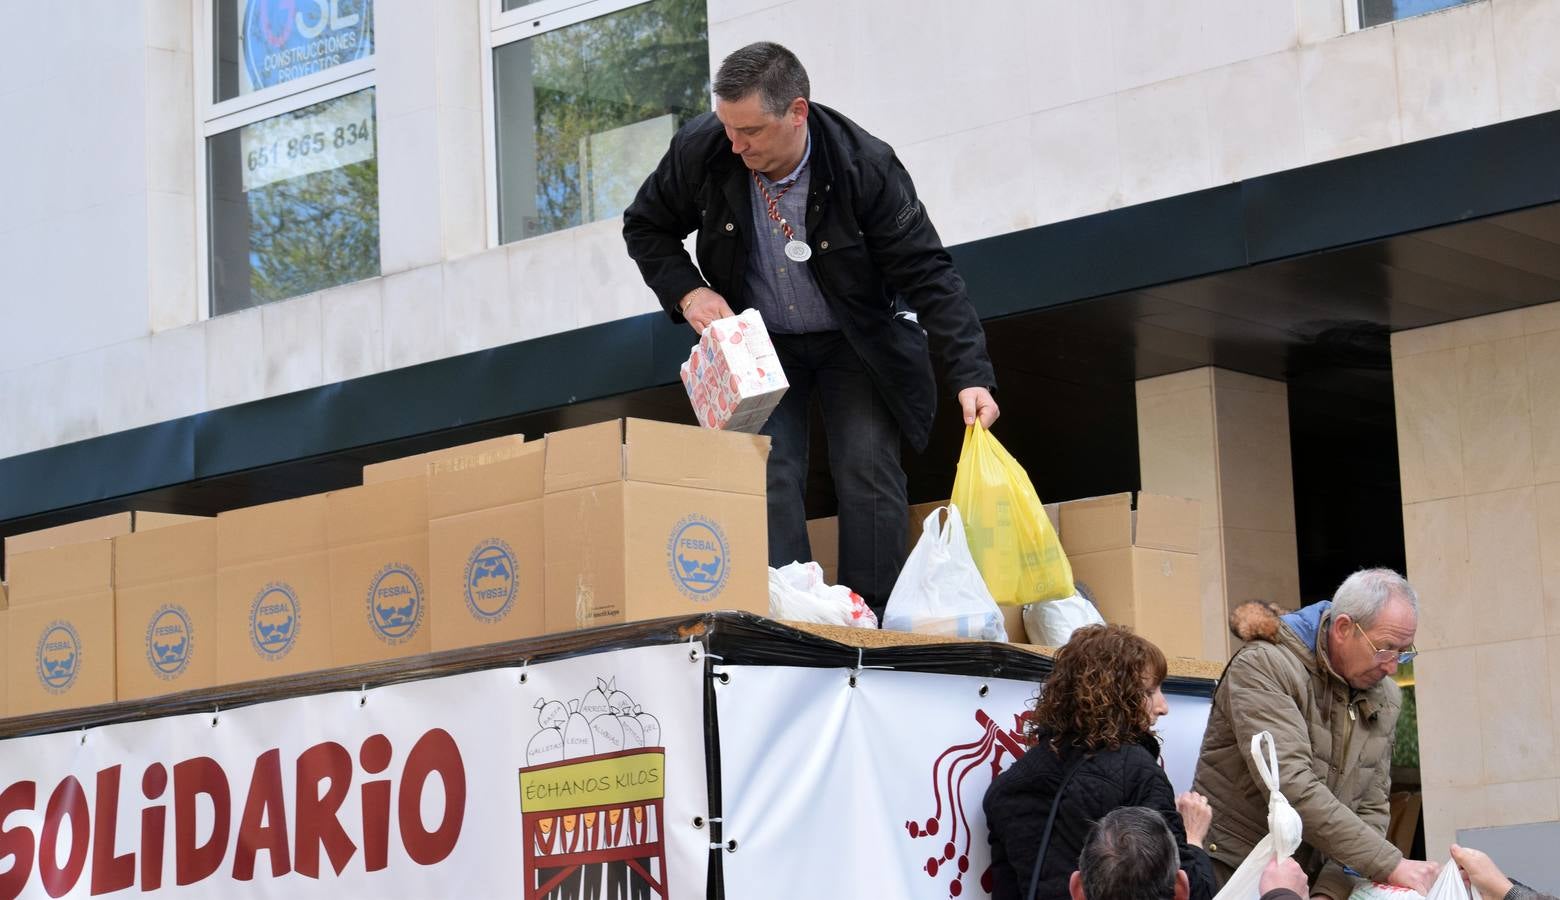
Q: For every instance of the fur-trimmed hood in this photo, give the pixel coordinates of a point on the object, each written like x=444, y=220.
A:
x=1259, y=620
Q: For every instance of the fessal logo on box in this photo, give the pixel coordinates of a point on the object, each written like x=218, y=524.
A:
x=492, y=580
x=59, y=656
x=395, y=603
x=697, y=557
x=274, y=620
x=170, y=641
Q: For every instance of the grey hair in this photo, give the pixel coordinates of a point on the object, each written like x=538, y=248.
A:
x=1363, y=595
x=1129, y=854
x=768, y=68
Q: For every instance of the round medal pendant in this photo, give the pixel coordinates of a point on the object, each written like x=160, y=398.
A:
x=798, y=251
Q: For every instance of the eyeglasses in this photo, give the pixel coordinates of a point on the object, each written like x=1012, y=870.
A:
x=1384, y=656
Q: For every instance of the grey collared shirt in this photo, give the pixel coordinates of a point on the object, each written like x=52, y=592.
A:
x=783, y=290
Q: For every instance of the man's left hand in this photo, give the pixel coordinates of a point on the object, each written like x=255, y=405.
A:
x=978, y=403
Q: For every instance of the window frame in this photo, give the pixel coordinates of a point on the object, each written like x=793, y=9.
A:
x=214, y=117
x=500, y=28
x=1353, y=21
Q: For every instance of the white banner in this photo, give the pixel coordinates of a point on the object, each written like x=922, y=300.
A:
x=582, y=778
x=875, y=791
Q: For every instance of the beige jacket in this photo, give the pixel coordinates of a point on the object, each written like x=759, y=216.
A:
x=1334, y=752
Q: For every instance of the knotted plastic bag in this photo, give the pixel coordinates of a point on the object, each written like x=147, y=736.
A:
x=1010, y=537
x=1283, y=837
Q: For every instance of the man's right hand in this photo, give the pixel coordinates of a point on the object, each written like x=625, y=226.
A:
x=1284, y=873
x=1416, y=874
x=701, y=306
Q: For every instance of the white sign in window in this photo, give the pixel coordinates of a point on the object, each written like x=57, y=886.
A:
x=314, y=139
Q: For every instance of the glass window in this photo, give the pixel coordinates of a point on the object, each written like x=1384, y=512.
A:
x=291, y=181
x=264, y=43
x=294, y=203
x=586, y=110
x=1377, y=12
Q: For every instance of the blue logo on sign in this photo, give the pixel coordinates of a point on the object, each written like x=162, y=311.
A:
x=287, y=39
x=59, y=657
x=395, y=603
x=492, y=579
x=697, y=558
x=274, y=620
x=170, y=640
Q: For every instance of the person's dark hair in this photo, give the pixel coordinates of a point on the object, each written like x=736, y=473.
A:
x=1097, y=692
x=1129, y=854
x=768, y=68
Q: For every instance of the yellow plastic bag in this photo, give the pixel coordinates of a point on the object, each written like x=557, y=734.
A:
x=1014, y=545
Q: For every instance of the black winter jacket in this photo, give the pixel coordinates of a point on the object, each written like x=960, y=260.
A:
x=1019, y=800
x=874, y=251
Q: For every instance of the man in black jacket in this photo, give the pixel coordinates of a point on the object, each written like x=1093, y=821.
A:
x=808, y=218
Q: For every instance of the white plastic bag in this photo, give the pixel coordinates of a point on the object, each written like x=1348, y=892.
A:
x=1283, y=836
x=1448, y=886
x=940, y=591
x=1052, y=622
x=797, y=592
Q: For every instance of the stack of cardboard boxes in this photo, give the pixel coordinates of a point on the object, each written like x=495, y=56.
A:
x=494, y=541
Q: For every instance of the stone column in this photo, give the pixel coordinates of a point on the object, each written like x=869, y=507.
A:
x=1223, y=438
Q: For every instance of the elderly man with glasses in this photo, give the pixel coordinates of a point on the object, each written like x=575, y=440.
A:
x=1318, y=680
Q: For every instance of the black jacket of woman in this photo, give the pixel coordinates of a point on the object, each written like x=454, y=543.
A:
x=1020, y=799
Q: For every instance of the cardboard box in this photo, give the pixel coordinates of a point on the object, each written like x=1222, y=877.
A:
x=5, y=655
x=733, y=376
x=378, y=538
x=273, y=591
x=646, y=519
x=165, y=610
x=823, y=537
x=1140, y=564
x=60, y=651
x=98, y=529
x=485, y=548
x=452, y=459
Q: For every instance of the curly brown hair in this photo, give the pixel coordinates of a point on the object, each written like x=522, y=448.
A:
x=1097, y=693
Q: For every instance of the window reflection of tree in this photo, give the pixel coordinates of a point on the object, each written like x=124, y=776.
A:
x=314, y=231
x=604, y=73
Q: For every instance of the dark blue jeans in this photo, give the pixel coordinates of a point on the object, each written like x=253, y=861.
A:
x=863, y=440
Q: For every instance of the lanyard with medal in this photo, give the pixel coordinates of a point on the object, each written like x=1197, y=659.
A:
x=796, y=250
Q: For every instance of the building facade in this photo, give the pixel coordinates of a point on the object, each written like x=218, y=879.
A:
x=248, y=236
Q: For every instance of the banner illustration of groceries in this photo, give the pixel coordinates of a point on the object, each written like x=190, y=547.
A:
x=593, y=826
x=733, y=376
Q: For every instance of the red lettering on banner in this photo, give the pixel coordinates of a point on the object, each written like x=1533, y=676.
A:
x=16, y=843
x=375, y=757
x=435, y=752
x=154, y=824
x=325, y=774
x=109, y=872
x=191, y=778
x=264, y=825
x=317, y=822
x=67, y=800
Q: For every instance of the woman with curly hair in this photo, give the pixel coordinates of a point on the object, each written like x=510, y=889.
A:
x=1092, y=750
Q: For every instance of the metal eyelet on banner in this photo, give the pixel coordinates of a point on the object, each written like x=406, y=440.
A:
x=524, y=663
x=698, y=821
x=83, y=737
x=363, y=696
x=216, y=711
x=725, y=677
x=729, y=846
x=984, y=690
